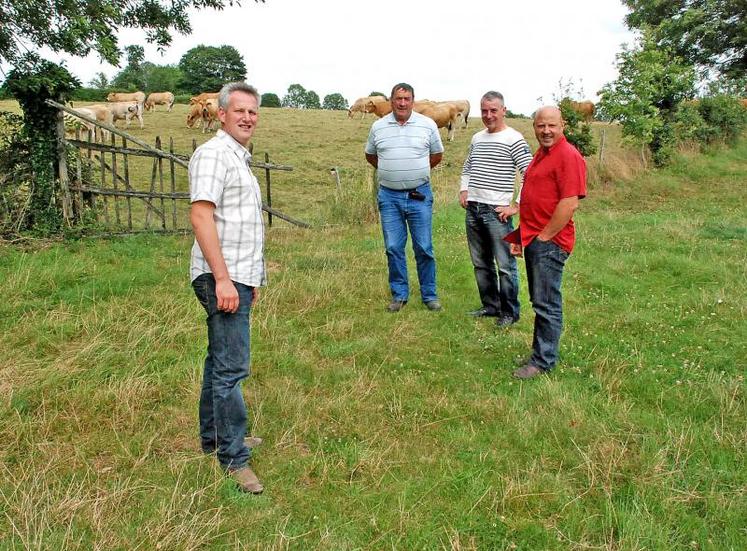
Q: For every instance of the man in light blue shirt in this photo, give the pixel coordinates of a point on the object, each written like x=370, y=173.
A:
x=403, y=146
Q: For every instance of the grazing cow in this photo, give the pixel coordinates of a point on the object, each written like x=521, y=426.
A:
x=126, y=110
x=444, y=115
x=585, y=109
x=194, y=115
x=159, y=98
x=463, y=106
x=378, y=108
x=421, y=105
x=199, y=98
x=122, y=96
x=362, y=105
x=97, y=112
x=209, y=114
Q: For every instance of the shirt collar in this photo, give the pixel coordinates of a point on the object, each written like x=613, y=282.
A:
x=233, y=145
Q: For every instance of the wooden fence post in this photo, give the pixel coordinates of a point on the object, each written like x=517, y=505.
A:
x=67, y=203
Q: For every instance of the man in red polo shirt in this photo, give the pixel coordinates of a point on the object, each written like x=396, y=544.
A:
x=554, y=182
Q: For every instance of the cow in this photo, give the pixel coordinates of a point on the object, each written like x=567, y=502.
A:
x=378, y=108
x=585, y=109
x=194, y=115
x=362, y=105
x=125, y=110
x=209, y=114
x=97, y=112
x=463, y=106
x=123, y=96
x=744, y=102
x=199, y=98
x=445, y=115
x=422, y=104
x=159, y=98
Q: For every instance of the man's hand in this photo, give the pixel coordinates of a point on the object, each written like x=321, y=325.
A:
x=227, y=295
x=515, y=249
x=504, y=213
x=463, y=199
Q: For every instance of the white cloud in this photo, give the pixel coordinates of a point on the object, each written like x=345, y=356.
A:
x=446, y=51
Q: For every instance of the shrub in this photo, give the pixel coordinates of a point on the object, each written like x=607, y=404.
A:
x=270, y=100
x=90, y=94
x=576, y=132
x=725, y=118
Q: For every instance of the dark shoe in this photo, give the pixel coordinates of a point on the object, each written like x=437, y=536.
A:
x=482, y=313
x=396, y=305
x=433, y=305
x=505, y=321
x=247, y=481
x=528, y=371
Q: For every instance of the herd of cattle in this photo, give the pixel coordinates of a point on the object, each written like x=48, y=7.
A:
x=128, y=106
x=203, y=110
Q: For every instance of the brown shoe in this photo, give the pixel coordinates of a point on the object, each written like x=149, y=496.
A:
x=528, y=371
x=253, y=441
x=247, y=481
x=396, y=305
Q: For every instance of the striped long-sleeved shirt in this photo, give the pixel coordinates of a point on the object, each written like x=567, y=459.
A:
x=490, y=168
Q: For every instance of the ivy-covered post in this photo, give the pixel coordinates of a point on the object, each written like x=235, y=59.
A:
x=32, y=82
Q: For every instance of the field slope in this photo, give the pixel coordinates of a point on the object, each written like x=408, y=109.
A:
x=392, y=431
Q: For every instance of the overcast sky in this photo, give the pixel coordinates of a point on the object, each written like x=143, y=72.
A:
x=457, y=50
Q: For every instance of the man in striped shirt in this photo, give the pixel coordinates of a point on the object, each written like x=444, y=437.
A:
x=403, y=146
x=227, y=268
x=487, y=194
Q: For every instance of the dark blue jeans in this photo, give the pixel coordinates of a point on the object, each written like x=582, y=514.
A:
x=398, y=212
x=223, y=416
x=544, y=262
x=499, y=291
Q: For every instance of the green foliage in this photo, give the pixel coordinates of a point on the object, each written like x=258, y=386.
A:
x=161, y=78
x=31, y=82
x=99, y=81
x=577, y=131
x=652, y=81
x=15, y=173
x=335, y=101
x=511, y=115
x=79, y=27
x=270, y=100
x=296, y=97
x=182, y=98
x=312, y=100
x=711, y=119
x=89, y=94
x=377, y=94
x=702, y=32
x=208, y=68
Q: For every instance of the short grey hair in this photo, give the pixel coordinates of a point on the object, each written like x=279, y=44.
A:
x=231, y=87
x=491, y=95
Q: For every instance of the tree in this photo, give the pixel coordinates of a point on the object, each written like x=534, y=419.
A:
x=270, y=100
x=652, y=81
x=709, y=33
x=311, y=101
x=159, y=78
x=208, y=68
x=100, y=81
x=335, y=101
x=79, y=27
x=296, y=97
x=377, y=94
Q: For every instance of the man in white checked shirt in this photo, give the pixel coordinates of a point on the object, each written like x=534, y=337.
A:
x=227, y=268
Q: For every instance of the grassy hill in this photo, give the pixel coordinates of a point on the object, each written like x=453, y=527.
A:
x=390, y=431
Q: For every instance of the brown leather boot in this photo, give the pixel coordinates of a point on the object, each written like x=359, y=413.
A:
x=247, y=481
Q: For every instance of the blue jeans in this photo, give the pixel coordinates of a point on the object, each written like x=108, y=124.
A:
x=544, y=262
x=223, y=416
x=398, y=212
x=499, y=291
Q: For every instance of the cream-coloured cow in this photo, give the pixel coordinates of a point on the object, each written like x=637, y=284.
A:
x=159, y=98
x=124, y=96
x=97, y=112
x=445, y=115
x=463, y=106
x=209, y=114
x=125, y=110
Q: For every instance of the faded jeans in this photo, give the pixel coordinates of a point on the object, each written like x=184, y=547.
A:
x=499, y=291
x=544, y=263
x=223, y=415
x=398, y=212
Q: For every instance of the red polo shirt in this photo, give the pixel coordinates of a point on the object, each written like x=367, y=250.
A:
x=555, y=173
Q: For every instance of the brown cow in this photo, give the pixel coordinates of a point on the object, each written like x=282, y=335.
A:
x=364, y=105
x=209, y=114
x=159, y=98
x=194, y=115
x=585, y=109
x=445, y=115
x=463, y=106
x=199, y=98
x=379, y=108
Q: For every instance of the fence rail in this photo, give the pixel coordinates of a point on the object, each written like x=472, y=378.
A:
x=106, y=177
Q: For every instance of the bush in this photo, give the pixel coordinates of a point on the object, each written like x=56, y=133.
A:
x=270, y=100
x=90, y=94
x=576, y=132
x=725, y=119
x=182, y=98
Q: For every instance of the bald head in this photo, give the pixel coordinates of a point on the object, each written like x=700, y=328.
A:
x=548, y=125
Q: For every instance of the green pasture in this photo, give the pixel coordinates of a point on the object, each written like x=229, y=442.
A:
x=388, y=431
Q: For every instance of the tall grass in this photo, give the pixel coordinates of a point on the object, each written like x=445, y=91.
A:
x=390, y=431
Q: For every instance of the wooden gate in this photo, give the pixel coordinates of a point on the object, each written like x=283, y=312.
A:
x=131, y=186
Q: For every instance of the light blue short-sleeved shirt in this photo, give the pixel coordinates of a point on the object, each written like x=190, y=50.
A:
x=404, y=150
